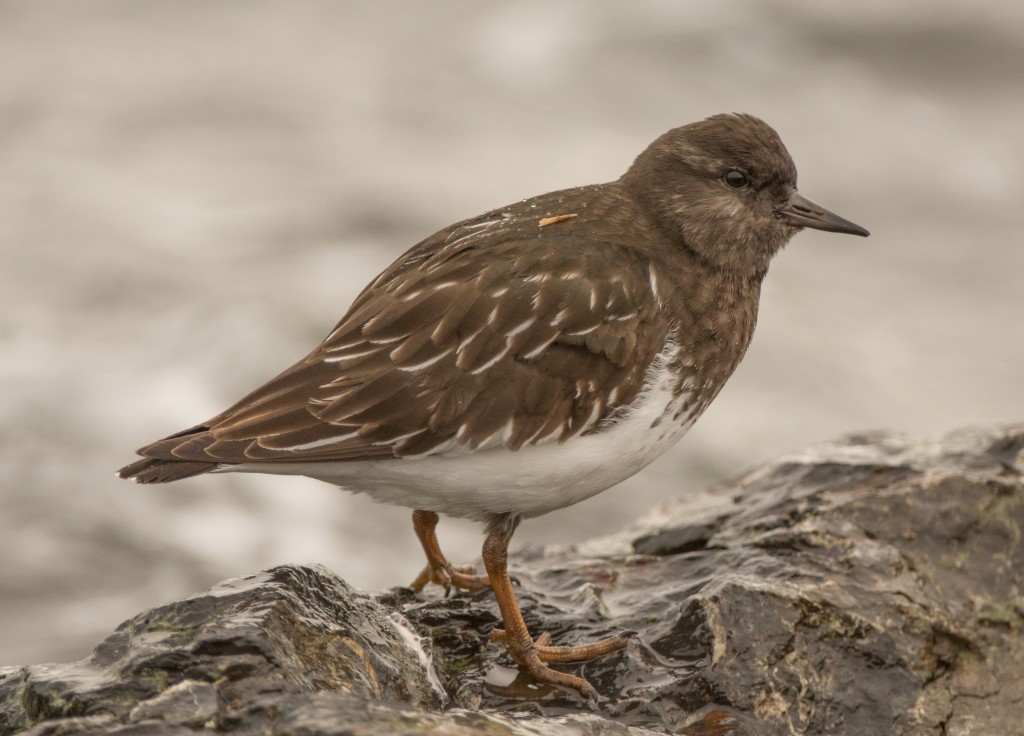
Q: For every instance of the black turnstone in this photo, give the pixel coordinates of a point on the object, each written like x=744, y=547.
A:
x=523, y=360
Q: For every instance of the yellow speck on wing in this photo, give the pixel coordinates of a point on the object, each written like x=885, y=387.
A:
x=544, y=221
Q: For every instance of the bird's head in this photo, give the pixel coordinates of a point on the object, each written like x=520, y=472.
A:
x=725, y=190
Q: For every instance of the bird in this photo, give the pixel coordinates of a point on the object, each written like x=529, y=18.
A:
x=523, y=360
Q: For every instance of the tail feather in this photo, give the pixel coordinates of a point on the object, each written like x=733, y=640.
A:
x=155, y=470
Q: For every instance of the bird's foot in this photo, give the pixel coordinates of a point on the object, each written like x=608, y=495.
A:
x=448, y=576
x=438, y=569
x=533, y=655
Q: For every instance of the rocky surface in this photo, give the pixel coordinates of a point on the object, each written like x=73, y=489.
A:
x=869, y=586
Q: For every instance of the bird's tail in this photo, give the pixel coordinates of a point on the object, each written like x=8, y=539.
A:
x=155, y=470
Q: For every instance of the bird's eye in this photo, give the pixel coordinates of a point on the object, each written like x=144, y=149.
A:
x=736, y=178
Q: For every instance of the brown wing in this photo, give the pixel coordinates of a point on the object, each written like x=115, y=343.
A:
x=453, y=350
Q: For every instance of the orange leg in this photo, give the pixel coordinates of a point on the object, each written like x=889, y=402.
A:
x=438, y=569
x=527, y=653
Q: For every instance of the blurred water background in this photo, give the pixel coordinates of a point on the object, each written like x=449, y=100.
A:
x=191, y=193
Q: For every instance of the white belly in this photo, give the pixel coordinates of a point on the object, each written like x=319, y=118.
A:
x=531, y=481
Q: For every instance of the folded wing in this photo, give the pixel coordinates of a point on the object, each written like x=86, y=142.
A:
x=450, y=353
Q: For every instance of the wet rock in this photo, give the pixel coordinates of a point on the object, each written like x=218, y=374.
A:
x=869, y=586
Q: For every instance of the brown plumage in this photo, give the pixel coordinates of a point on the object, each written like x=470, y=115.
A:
x=599, y=321
x=454, y=344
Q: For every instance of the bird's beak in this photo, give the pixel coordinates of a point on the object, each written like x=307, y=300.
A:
x=800, y=211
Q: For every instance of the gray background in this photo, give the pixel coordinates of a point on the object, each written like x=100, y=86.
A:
x=192, y=192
